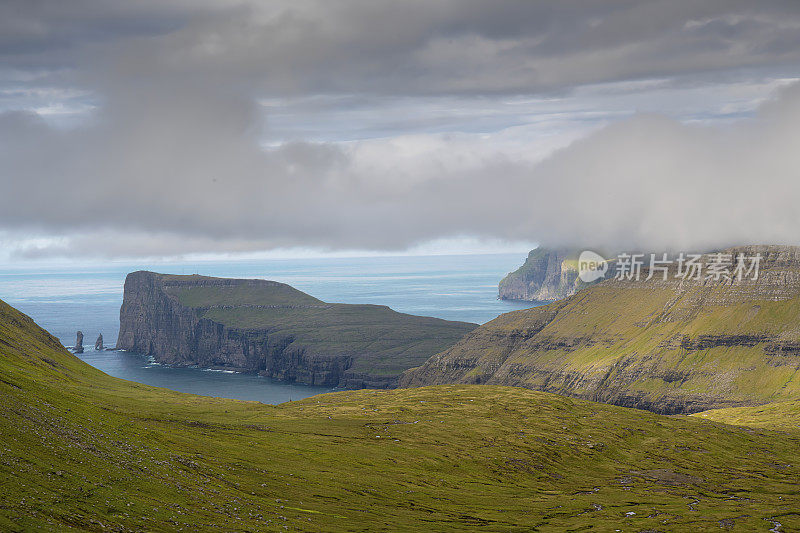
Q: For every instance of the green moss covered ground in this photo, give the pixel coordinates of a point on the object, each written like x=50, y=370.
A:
x=82, y=450
x=264, y=292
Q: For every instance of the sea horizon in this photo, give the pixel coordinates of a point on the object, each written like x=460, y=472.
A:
x=88, y=298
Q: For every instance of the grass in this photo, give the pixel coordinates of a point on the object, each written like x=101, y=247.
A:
x=783, y=415
x=239, y=293
x=641, y=342
x=81, y=450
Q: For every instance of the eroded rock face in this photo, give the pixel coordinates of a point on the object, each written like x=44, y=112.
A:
x=155, y=322
x=546, y=276
x=98, y=345
x=540, y=278
x=78, y=343
x=674, y=346
x=152, y=323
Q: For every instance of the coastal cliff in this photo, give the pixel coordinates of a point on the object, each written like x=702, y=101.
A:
x=670, y=346
x=546, y=275
x=543, y=277
x=273, y=329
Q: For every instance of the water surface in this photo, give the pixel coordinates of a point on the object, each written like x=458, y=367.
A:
x=64, y=300
x=223, y=384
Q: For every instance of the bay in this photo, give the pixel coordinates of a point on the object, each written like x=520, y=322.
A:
x=66, y=299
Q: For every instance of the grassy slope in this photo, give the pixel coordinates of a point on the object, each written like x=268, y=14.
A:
x=628, y=337
x=386, y=341
x=257, y=294
x=83, y=450
x=784, y=415
x=629, y=323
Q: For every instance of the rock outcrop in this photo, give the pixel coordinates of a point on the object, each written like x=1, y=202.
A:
x=670, y=346
x=275, y=330
x=78, y=343
x=98, y=345
x=547, y=275
x=542, y=277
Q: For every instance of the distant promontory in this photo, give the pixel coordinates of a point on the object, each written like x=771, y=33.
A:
x=273, y=329
x=547, y=275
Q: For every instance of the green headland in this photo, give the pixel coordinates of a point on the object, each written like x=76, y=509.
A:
x=276, y=330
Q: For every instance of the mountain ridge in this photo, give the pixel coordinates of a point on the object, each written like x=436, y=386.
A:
x=674, y=346
x=547, y=275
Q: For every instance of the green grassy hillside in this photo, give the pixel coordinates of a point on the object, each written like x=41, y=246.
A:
x=81, y=450
x=191, y=293
x=668, y=346
x=784, y=415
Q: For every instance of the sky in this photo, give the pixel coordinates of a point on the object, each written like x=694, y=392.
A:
x=209, y=128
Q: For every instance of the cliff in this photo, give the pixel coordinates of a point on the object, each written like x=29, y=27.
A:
x=547, y=275
x=275, y=330
x=673, y=346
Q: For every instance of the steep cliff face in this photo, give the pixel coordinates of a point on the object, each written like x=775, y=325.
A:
x=153, y=323
x=273, y=329
x=547, y=275
x=671, y=346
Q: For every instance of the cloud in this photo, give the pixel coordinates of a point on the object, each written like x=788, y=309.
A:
x=162, y=168
x=170, y=160
x=413, y=47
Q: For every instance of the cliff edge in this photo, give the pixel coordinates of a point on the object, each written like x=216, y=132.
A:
x=276, y=330
x=547, y=275
x=669, y=346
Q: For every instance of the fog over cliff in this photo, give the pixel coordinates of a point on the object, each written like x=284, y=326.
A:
x=620, y=125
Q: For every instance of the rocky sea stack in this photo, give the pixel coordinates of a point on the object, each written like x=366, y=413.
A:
x=78, y=342
x=276, y=330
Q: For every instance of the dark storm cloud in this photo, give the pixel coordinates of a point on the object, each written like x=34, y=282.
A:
x=172, y=159
x=398, y=47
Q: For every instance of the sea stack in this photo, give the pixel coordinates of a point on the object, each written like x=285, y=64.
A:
x=99, y=344
x=79, y=343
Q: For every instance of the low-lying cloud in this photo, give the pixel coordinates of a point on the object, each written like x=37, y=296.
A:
x=171, y=160
x=197, y=173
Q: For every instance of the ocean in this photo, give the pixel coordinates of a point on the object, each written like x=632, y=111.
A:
x=67, y=299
